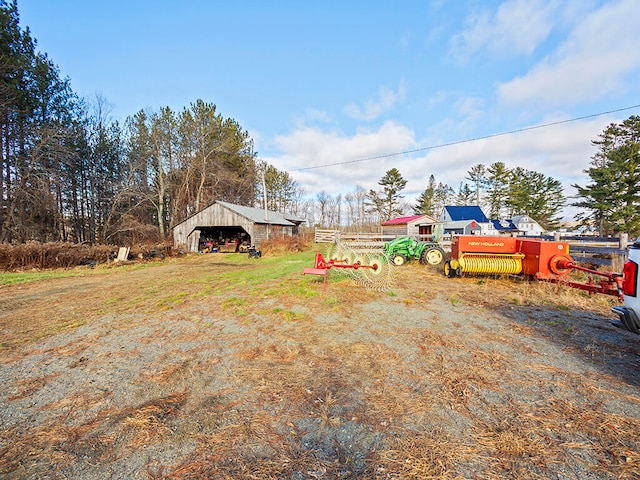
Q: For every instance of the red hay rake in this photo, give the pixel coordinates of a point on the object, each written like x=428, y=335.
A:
x=369, y=269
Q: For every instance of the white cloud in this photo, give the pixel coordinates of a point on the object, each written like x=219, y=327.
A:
x=561, y=152
x=373, y=108
x=313, y=115
x=313, y=147
x=592, y=62
x=516, y=28
x=470, y=110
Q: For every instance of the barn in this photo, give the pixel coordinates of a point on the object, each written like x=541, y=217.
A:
x=423, y=227
x=226, y=225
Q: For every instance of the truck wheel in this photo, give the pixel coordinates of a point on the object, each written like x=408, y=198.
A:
x=432, y=256
x=398, y=260
x=632, y=322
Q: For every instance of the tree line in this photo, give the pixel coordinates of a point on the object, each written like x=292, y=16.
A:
x=610, y=201
x=501, y=191
x=70, y=173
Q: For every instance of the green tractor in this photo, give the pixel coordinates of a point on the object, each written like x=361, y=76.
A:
x=403, y=249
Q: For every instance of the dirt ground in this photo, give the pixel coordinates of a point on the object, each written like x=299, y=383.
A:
x=220, y=367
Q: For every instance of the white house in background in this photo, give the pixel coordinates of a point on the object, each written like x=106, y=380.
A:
x=466, y=220
x=527, y=225
x=471, y=220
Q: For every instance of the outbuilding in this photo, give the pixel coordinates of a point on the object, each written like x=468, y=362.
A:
x=422, y=227
x=226, y=225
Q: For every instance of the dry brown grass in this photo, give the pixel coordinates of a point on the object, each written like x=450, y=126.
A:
x=58, y=443
x=438, y=379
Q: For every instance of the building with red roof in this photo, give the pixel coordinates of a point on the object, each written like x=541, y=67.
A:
x=422, y=227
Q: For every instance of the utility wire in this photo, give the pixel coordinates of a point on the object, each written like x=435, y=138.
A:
x=458, y=142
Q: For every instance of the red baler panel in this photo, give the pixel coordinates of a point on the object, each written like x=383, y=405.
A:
x=538, y=255
x=482, y=244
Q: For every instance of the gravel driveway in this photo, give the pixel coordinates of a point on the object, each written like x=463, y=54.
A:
x=220, y=367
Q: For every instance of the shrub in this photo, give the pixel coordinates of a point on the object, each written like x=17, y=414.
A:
x=284, y=244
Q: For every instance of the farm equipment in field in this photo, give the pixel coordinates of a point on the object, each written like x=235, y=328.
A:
x=535, y=258
x=368, y=268
x=403, y=249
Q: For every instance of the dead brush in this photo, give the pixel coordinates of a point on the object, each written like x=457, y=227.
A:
x=52, y=255
x=429, y=455
x=609, y=438
x=280, y=245
x=325, y=412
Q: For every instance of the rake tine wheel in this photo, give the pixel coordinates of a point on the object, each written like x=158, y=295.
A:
x=380, y=277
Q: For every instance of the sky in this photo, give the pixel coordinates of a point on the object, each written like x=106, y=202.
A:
x=338, y=92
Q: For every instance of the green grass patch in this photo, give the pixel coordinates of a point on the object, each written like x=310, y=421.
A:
x=11, y=278
x=168, y=301
x=291, y=316
x=331, y=301
x=234, y=302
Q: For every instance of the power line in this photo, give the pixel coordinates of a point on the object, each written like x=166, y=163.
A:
x=468, y=140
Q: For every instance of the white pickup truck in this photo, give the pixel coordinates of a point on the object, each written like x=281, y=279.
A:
x=630, y=313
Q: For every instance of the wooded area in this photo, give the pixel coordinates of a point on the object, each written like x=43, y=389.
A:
x=68, y=173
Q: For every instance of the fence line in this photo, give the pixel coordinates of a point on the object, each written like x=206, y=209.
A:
x=326, y=236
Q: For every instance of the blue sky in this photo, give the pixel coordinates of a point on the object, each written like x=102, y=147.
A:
x=322, y=83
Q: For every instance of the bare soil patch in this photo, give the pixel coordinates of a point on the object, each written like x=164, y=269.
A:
x=218, y=366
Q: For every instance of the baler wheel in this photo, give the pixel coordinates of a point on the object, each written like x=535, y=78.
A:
x=556, y=260
x=432, y=256
x=398, y=260
x=449, y=271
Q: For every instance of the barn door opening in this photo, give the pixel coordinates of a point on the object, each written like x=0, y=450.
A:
x=224, y=239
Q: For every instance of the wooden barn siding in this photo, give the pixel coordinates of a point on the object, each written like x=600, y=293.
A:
x=398, y=230
x=413, y=230
x=275, y=231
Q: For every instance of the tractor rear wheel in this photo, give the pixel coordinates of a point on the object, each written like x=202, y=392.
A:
x=398, y=259
x=432, y=256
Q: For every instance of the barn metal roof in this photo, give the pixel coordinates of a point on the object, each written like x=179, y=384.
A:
x=458, y=213
x=257, y=215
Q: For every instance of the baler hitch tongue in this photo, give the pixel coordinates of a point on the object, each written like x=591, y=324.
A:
x=610, y=285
